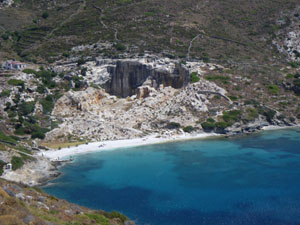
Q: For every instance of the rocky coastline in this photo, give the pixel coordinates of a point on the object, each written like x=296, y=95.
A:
x=48, y=162
x=136, y=101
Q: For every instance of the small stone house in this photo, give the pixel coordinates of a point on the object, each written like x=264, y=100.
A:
x=14, y=65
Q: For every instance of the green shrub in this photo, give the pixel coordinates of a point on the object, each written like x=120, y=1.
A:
x=252, y=114
x=210, y=120
x=273, y=89
x=5, y=93
x=11, y=114
x=15, y=82
x=4, y=137
x=233, y=98
x=29, y=71
x=149, y=13
x=78, y=82
x=99, y=219
x=269, y=114
x=48, y=104
x=188, y=129
x=5, y=36
x=208, y=126
x=222, y=124
x=115, y=214
x=173, y=125
x=21, y=131
x=83, y=71
x=194, y=77
x=26, y=108
x=120, y=47
x=281, y=117
x=66, y=54
x=294, y=64
x=41, y=89
x=45, y=15
x=38, y=134
x=2, y=164
x=232, y=116
x=289, y=76
x=296, y=82
x=31, y=128
x=80, y=62
x=217, y=77
x=17, y=162
x=251, y=102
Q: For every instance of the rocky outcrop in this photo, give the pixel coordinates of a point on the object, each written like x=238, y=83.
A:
x=104, y=117
x=288, y=36
x=127, y=76
x=6, y=3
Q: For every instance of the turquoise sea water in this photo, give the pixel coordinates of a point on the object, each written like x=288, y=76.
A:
x=252, y=180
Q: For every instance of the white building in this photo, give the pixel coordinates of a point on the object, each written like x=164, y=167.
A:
x=14, y=65
x=8, y=166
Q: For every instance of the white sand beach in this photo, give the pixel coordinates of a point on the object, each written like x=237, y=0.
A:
x=65, y=153
x=56, y=155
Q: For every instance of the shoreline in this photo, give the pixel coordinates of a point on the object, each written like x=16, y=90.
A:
x=62, y=154
x=274, y=127
x=46, y=167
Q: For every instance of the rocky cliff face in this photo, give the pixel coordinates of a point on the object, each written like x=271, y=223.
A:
x=127, y=76
x=288, y=37
x=156, y=99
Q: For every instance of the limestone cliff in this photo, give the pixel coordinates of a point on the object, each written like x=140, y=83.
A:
x=127, y=76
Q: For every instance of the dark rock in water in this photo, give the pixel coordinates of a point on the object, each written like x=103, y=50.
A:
x=127, y=76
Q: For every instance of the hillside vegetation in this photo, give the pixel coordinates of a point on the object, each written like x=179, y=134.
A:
x=22, y=205
x=233, y=30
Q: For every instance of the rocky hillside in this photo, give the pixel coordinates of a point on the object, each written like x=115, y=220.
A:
x=223, y=31
x=22, y=205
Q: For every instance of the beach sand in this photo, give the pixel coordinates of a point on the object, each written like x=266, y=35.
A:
x=64, y=153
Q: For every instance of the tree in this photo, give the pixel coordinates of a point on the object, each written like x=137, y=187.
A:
x=45, y=15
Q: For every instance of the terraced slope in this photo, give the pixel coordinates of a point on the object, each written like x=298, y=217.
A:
x=233, y=30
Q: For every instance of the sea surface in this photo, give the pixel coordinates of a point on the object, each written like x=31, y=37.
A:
x=251, y=180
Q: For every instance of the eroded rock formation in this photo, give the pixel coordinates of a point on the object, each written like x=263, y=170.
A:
x=127, y=76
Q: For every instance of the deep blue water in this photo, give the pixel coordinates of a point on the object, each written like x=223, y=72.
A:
x=253, y=180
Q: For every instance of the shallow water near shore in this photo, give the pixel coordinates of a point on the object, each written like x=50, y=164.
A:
x=251, y=180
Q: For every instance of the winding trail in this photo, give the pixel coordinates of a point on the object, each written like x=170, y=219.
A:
x=213, y=37
x=216, y=93
x=229, y=40
x=24, y=153
x=101, y=13
x=191, y=45
x=103, y=24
